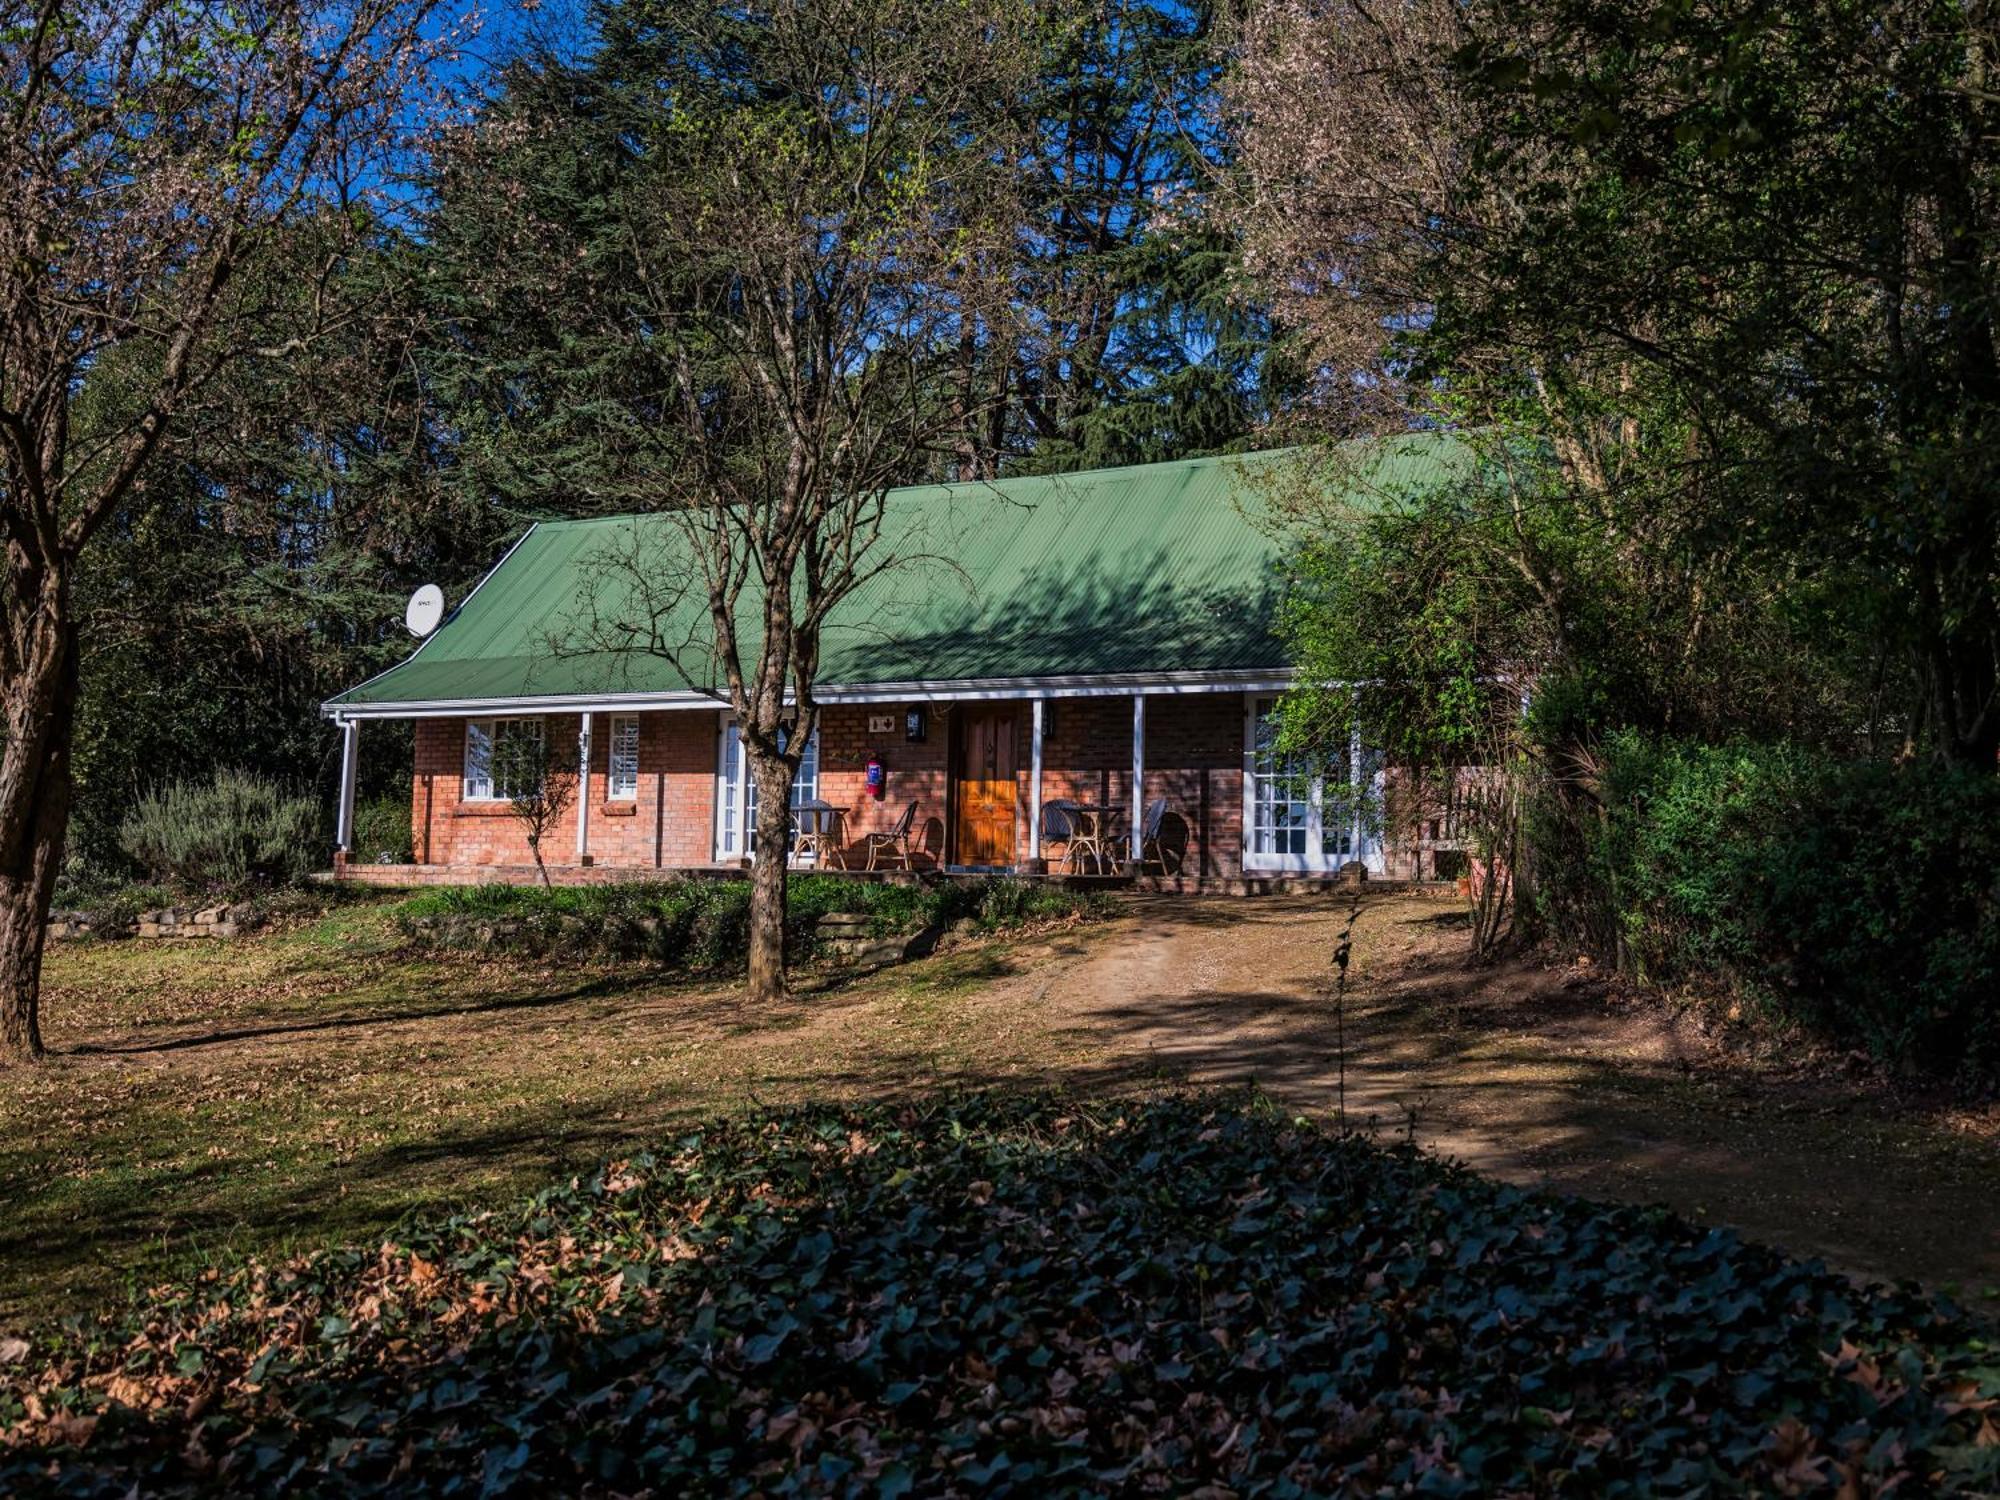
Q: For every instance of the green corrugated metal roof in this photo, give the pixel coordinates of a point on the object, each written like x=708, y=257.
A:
x=1154, y=568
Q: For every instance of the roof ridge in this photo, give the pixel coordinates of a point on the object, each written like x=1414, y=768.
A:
x=976, y=485
x=1077, y=476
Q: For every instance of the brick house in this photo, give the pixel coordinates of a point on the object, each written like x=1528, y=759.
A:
x=1076, y=637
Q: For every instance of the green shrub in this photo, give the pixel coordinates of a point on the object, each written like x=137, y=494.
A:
x=704, y=925
x=1883, y=915
x=229, y=833
x=1015, y=1296
x=382, y=831
x=1857, y=899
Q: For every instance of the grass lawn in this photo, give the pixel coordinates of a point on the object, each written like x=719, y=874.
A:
x=311, y=1086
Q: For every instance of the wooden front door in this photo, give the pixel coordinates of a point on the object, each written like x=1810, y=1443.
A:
x=983, y=786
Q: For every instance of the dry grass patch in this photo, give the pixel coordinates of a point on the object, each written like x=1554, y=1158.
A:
x=315, y=1084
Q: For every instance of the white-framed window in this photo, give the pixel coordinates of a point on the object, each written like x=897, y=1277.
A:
x=1297, y=816
x=736, y=792
x=487, y=743
x=622, y=781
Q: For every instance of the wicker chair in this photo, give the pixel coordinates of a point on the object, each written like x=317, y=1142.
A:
x=1060, y=825
x=896, y=840
x=1150, y=851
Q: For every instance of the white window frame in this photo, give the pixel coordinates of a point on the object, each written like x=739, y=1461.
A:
x=1353, y=831
x=621, y=743
x=476, y=783
x=736, y=792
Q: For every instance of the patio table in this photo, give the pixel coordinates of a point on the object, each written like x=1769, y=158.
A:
x=815, y=820
x=1095, y=824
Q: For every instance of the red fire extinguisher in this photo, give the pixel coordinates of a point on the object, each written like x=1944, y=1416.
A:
x=878, y=777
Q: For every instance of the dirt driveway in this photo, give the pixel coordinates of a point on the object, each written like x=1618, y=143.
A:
x=1539, y=1077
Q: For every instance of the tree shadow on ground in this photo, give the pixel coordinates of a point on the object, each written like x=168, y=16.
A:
x=607, y=986
x=1524, y=1074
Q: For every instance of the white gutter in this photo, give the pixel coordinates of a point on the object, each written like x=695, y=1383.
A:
x=943, y=690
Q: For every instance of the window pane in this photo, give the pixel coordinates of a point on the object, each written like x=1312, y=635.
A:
x=517, y=748
x=1281, y=794
x=731, y=790
x=731, y=839
x=624, y=778
x=735, y=769
x=478, y=758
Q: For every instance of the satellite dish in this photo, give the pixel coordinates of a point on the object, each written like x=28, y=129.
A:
x=425, y=610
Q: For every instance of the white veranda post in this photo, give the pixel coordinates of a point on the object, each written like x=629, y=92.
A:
x=1035, y=781
x=350, y=753
x=583, y=791
x=1138, y=830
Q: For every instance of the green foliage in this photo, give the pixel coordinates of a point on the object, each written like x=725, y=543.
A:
x=1859, y=900
x=1125, y=339
x=1038, y=1296
x=1400, y=623
x=382, y=829
x=284, y=528
x=704, y=924
x=1421, y=611
x=1747, y=238
x=1135, y=342
x=229, y=833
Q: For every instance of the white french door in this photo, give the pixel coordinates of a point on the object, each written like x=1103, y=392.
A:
x=736, y=792
x=1300, y=816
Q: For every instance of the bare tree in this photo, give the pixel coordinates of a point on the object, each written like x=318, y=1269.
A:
x=539, y=784
x=1351, y=138
x=151, y=151
x=823, y=191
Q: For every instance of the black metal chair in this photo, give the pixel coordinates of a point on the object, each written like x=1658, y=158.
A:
x=895, y=840
x=1058, y=821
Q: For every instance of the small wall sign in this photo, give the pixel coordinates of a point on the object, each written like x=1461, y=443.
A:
x=881, y=723
x=913, y=724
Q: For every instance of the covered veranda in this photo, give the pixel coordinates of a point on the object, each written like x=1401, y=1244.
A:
x=1059, y=778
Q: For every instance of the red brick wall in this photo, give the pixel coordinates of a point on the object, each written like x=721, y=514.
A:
x=915, y=771
x=668, y=824
x=1194, y=758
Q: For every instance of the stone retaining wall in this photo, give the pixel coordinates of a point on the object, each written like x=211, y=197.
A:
x=166, y=922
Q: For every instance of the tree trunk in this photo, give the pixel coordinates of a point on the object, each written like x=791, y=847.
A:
x=1967, y=684
x=35, y=789
x=772, y=850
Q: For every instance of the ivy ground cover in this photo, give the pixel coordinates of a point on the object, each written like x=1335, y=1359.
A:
x=1022, y=1296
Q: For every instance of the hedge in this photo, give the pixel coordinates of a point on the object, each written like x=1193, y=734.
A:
x=1018, y=1297
x=1856, y=899
x=704, y=924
